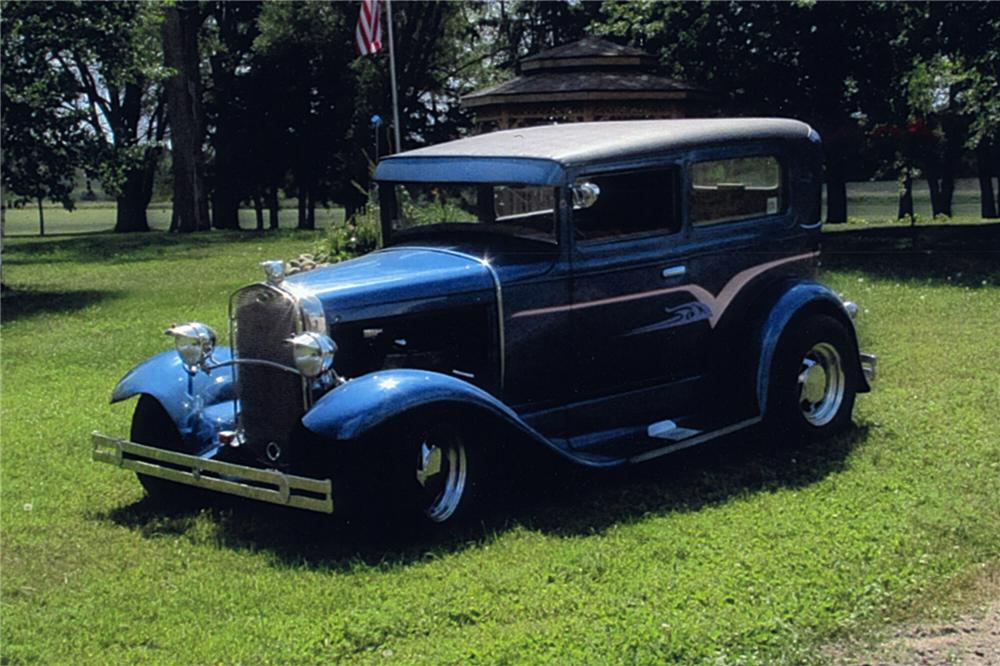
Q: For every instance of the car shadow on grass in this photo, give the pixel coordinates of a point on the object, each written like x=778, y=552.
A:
x=961, y=255
x=20, y=303
x=556, y=499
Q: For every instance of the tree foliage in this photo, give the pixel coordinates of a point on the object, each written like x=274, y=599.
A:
x=40, y=127
x=109, y=55
x=921, y=77
x=282, y=106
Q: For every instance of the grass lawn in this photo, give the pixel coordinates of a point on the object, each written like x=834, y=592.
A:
x=738, y=552
x=91, y=217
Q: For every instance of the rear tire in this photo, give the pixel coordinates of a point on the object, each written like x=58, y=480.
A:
x=153, y=426
x=813, y=383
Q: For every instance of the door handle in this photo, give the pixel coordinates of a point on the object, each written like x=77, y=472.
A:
x=674, y=271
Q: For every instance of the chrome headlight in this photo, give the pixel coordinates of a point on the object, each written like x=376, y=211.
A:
x=313, y=353
x=195, y=342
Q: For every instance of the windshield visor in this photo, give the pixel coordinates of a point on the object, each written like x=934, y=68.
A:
x=524, y=211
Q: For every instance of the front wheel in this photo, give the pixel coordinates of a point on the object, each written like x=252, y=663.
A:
x=436, y=475
x=152, y=426
x=812, y=387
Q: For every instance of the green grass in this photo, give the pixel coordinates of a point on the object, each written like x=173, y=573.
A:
x=739, y=552
x=91, y=217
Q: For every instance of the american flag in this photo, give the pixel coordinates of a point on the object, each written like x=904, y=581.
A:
x=368, y=34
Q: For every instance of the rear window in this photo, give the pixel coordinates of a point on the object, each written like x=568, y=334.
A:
x=736, y=189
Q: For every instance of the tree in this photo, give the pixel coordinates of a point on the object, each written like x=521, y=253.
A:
x=111, y=51
x=39, y=126
x=184, y=110
x=769, y=59
x=232, y=29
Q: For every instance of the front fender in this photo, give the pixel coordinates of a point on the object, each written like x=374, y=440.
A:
x=793, y=300
x=363, y=404
x=163, y=376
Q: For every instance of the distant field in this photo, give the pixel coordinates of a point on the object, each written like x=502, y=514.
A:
x=867, y=203
x=93, y=217
x=876, y=202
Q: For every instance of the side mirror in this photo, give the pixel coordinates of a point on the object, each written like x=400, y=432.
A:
x=585, y=195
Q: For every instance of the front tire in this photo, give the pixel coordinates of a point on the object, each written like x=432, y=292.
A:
x=437, y=473
x=812, y=386
x=152, y=426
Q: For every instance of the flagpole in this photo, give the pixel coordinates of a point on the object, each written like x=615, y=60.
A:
x=392, y=75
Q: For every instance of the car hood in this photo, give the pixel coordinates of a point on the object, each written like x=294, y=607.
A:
x=363, y=287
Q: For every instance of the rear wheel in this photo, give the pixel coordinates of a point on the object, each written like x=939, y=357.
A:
x=812, y=386
x=153, y=426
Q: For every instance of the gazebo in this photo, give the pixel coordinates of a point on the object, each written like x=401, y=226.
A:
x=591, y=79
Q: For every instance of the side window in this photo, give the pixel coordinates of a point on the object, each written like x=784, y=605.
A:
x=736, y=189
x=635, y=202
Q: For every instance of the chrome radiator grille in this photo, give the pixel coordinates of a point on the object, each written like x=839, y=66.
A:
x=271, y=399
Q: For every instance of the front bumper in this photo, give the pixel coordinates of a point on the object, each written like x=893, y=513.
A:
x=266, y=485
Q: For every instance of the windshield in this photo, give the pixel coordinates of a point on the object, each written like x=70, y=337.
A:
x=526, y=211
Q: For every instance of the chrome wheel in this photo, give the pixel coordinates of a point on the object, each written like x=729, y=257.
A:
x=821, y=384
x=441, y=472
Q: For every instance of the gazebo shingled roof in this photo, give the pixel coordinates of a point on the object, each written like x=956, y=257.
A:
x=591, y=79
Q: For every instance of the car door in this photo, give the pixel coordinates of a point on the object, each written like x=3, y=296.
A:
x=638, y=322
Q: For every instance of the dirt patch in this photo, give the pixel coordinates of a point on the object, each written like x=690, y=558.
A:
x=971, y=639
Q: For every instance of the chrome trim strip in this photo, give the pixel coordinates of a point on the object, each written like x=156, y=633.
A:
x=501, y=326
x=253, y=361
x=694, y=441
x=215, y=475
x=310, y=307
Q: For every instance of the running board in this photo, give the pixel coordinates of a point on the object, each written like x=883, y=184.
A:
x=670, y=430
x=691, y=441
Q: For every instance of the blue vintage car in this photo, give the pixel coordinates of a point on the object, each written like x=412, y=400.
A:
x=611, y=292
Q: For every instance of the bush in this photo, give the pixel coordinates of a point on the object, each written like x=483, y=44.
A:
x=359, y=234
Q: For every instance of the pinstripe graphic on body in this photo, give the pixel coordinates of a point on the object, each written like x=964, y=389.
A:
x=717, y=304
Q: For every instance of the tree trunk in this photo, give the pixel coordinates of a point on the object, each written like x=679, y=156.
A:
x=836, y=197
x=274, y=207
x=934, y=188
x=41, y=218
x=312, y=211
x=987, y=196
x=906, y=198
x=225, y=200
x=304, y=197
x=836, y=185
x=180, y=50
x=258, y=209
x=3, y=234
x=132, y=203
x=225, y=194
x=947, y=192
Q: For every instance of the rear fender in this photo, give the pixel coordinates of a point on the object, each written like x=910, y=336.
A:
x=195, y=403
x=790, y=302
x=360, y=406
